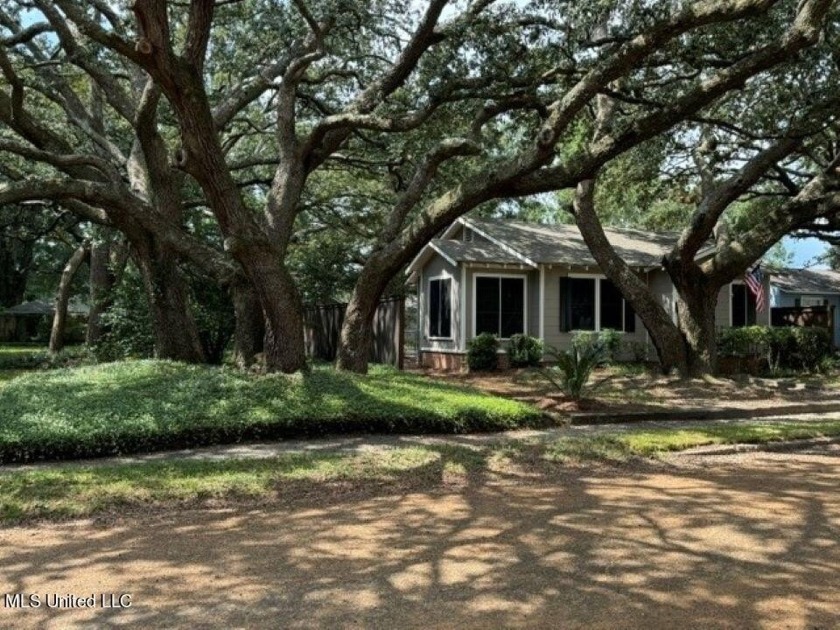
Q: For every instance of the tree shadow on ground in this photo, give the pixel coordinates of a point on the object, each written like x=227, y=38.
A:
x=749, y=546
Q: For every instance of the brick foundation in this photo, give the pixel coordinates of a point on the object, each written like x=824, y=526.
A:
x=444, y=361
x=451, y=362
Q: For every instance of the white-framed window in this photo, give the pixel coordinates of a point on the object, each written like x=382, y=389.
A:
x=811, y=300
x=499, y=304
x=593, y=303
x=439, y=318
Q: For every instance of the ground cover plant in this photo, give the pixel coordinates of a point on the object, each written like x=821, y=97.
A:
x=146, y=405
x=75, y=490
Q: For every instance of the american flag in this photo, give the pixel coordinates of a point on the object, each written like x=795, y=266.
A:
x=754, y=279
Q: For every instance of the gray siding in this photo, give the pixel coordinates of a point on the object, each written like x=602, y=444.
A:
x=436, y=267
x=723, y=310
x=660, y=283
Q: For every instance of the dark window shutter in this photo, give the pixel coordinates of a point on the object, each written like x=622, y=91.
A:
x=739, y=306
x=565, y=305
x=629, y=318
x=434, y=308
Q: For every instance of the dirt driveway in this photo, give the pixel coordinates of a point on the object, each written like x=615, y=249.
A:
x=733, y=542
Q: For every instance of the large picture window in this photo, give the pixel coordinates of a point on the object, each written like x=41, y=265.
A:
x=499, y=305
x=440, y=308
x=743, y=306
x=594, y=304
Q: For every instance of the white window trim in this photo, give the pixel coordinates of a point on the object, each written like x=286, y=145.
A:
x=462, y=309
x=598, y=277
x=811, y=296
x=428, y=315
x=524, y=299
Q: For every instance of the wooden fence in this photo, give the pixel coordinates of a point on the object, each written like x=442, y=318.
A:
x=322, y=327
x=820, y=316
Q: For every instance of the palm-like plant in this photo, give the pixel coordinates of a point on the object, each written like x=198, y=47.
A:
x=572, y=368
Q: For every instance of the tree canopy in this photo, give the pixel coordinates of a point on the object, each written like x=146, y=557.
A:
x=256, y=140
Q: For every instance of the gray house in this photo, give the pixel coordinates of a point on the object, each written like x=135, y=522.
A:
x=815, y=289
x=507, y=277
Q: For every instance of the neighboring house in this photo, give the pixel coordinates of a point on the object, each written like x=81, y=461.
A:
x=815, y=289
x=27, y=321
x=507, y=277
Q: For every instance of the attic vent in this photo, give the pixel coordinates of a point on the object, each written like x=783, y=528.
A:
x=468, y=235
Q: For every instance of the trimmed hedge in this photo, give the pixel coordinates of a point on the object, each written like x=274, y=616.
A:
x=793, y=347
x=136, y=406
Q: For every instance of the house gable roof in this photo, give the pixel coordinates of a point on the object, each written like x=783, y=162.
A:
x=807, y=281
x=44, y=307
x=475, y=251
x=564, y=244
x=505, y=241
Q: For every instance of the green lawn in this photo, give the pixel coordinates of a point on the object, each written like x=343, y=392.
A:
x=73, y=490
x=148, y=405
x=651, y=442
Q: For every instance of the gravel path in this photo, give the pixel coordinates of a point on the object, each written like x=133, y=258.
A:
x=741, y=541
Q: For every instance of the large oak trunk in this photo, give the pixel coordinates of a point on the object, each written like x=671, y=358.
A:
x=664, y=334
x=696, y=302
x=357, y=329
x=274, y=287
x=249, y=332
x=696, y=318
x=175, y=329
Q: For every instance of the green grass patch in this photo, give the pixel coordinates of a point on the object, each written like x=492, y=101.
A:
x=655, y=441
x=647, y=443
x=149, y=405
x=76, y=491
x=14, y=356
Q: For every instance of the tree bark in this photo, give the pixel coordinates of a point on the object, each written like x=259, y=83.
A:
x=696, y=303
x=249, y=333
x=105, y=270
x=696, y=317
x=282, y=309
x=175, y=329
x=63, y=296
x=664, y=334
x=357, y=329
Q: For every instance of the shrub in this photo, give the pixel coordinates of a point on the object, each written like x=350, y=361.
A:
x=573, y=367
x=638, y=350
x=812, y=345
x=609, y=339
x=795, y=348
x=525, y=351
x=481, y=352
x=743, y=341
